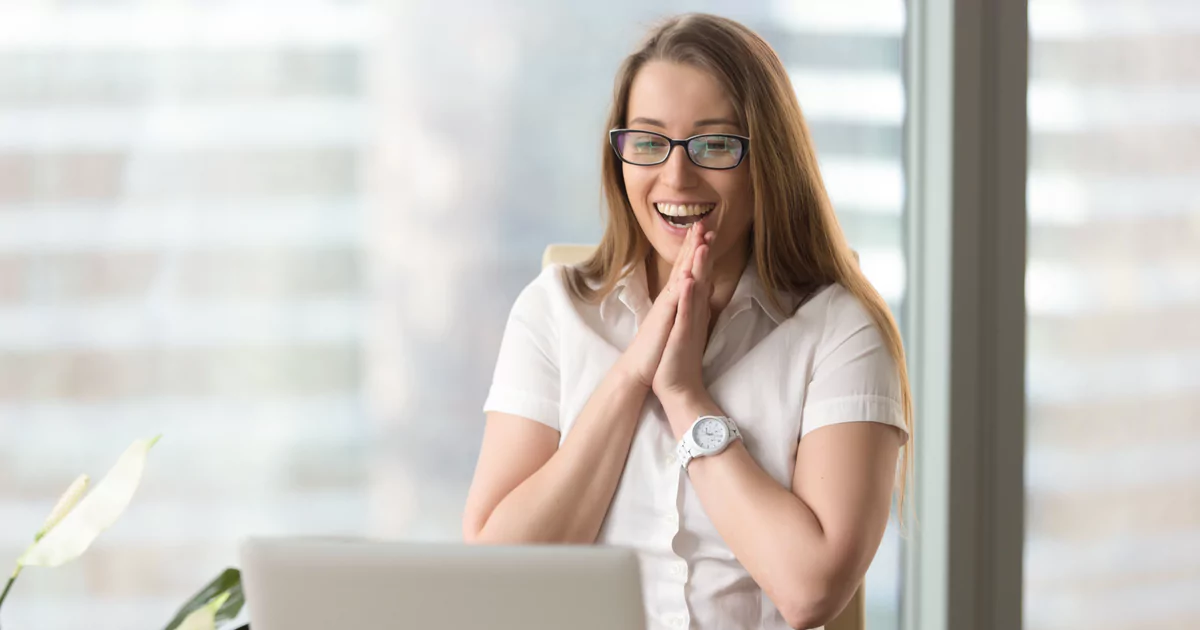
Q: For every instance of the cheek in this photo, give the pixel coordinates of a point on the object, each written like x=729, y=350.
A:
x=738, y=195
x=736, y=191
x=635, y=185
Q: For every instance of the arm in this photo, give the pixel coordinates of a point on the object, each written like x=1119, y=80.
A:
x=528, y=490
x=810, y=547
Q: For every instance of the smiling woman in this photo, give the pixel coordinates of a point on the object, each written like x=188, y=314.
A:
x=718, y=387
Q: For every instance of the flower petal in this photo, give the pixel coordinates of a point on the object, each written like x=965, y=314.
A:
x=71, y=536
x=65, y=504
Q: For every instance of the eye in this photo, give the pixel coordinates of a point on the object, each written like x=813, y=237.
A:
x=715, y=145
x=648, y=144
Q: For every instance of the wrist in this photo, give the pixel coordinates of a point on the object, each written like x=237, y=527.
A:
x=683, y=409
x=628, y=377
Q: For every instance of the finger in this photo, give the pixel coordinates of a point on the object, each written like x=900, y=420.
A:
x=663, y=314
x=700, y=267
x=702, y=270
x=697, y=237
x=691, y=242
x=683, y=259
x=700, y=314
x=708, y=239
x=668, y=334
x=684, y=310
x=662, y=317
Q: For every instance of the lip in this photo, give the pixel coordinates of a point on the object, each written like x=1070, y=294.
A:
x=706, y=223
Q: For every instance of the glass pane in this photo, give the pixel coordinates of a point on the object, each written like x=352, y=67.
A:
x=1113, y=294
x=287, y=236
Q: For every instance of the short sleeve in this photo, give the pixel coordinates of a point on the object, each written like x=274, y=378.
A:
x=854, y=378
x=526, y=379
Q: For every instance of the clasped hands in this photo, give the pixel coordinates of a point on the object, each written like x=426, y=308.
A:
x=668, y=351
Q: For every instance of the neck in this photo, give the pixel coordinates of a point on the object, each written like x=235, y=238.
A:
x=727, y=270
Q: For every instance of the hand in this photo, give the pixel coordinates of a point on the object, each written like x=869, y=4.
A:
x=640, y=360
x=680, y=372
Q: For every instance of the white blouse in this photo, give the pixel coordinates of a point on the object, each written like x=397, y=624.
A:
x=778, y=377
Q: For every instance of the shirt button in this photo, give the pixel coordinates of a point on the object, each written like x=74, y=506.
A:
x=678, y=621
x=672, y=518
x=670, y=460
x=679, y=569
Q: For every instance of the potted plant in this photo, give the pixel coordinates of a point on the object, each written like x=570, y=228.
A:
x=78, y=519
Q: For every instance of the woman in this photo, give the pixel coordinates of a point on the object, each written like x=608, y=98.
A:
x=718, y=387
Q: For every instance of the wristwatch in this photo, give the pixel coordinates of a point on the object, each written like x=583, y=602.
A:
x=709, y=435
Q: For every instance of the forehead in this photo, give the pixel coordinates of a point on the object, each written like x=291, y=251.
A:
x=677, y=94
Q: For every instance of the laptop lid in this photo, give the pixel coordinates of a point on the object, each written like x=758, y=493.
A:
x=325, y=584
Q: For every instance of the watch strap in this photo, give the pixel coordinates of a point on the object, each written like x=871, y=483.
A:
x=684, y=450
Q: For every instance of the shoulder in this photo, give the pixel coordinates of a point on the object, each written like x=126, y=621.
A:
x=545, y=290
x=833, y=308
x=547, y=295
x=834, y=316
x=551, y=280
x=843, y=308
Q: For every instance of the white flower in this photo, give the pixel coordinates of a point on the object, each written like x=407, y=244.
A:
x=75, y=523
x=65, y=504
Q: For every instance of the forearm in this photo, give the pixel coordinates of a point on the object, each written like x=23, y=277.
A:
x=773, y=534
x=566, y=500
x=771, y=531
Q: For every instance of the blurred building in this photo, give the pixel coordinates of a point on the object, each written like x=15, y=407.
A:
x=287, y=235
x=1113, y=293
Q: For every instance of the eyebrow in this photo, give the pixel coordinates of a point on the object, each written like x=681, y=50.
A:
x=707, y=122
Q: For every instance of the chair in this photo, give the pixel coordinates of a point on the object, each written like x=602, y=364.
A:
x=853, y=617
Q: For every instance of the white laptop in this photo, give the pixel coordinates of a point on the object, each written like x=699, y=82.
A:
x=328, y=584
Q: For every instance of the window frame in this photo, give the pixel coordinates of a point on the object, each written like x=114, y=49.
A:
x=966, y=73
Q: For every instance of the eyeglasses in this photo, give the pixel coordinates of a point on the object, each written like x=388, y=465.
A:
x=718, y=151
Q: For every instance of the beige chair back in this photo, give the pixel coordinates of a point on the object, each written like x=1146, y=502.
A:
x=854, y=616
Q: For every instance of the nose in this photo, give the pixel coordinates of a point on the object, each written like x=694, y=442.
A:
x=678, y=171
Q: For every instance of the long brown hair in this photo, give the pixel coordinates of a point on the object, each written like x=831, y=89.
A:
x=797, y=241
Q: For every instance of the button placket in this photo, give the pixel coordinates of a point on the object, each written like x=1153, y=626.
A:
x=679, y=570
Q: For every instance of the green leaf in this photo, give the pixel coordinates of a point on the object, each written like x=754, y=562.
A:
x=71, y=536
x=204, y=617
x=233, y=605
x=228, y=583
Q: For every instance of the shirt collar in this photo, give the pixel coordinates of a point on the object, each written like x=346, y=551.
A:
x=754, y=290
x=632, y=291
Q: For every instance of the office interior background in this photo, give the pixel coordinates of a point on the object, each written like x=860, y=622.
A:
x=286, y=235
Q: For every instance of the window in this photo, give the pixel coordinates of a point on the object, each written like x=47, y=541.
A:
x=287, y=236
x=1113, y=298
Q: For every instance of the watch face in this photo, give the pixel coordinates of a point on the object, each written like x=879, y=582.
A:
x=710, y=433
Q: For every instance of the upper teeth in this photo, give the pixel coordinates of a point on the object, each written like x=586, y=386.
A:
x=684, y=210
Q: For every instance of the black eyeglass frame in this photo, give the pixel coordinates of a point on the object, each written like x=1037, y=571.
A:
x=612, y=141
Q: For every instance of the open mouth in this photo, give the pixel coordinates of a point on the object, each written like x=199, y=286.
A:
x=683, y=215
